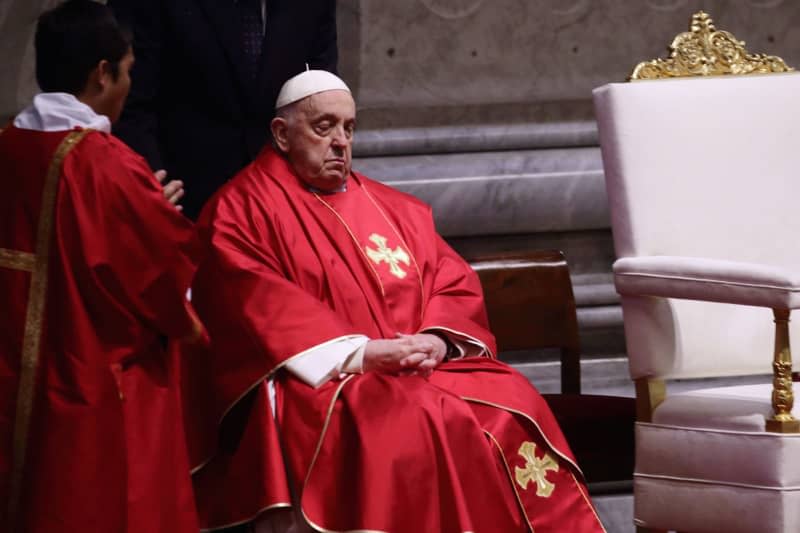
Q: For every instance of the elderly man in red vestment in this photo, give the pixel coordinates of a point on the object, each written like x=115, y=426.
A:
x=352, y=371
x=94, y=268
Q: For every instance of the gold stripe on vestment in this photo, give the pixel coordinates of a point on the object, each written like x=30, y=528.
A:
x=31, y=341
x=328, y=417
x=271, y=372
x=502, y=454
x=532, y=421
x=16, y=260
x=274, y=506
x=588, y=500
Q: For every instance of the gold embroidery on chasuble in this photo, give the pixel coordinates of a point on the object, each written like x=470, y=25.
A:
x=380, y=244
x=17, y=260
x=535, y=470
x=385, y=254
x=36, y=263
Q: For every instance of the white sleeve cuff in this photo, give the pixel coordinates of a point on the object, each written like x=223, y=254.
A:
x=321, y=364
x=466, y=346
x=355, y=363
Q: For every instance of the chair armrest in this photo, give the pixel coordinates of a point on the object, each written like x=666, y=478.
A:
x=710, y=280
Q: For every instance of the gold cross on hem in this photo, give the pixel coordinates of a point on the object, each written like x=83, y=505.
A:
x=535, y=470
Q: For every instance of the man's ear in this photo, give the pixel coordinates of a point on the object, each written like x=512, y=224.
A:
x=106, y=75
x=280, y=133
x=98, y=79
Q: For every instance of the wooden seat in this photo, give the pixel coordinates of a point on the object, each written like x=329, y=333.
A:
x=531, y=306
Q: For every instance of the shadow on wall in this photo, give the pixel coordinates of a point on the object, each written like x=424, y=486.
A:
x=17, y=81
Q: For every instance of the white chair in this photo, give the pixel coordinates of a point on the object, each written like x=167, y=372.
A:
x=703, y=182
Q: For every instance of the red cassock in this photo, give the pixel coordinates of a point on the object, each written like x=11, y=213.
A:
x=471, y=448
x=94, y=267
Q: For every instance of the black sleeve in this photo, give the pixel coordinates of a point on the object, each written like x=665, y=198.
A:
x=324, y=53
x=138, y=125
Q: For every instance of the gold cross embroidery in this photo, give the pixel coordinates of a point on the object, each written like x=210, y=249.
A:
x=536, y=470
x=384, y=253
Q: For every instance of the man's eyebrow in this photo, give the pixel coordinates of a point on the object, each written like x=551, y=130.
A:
x=325, y=116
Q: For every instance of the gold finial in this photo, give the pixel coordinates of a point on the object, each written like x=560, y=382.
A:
x=705, y=51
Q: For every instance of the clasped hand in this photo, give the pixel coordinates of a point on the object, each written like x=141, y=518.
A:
x=416, y=354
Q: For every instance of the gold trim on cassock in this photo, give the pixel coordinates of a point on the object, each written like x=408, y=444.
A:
x=33, y=320
x=261, y=380
x=510, y=478
x=280, y=505
x=16, y=260
x=586, y=498
x=324, y=431
x=532, y=421
x=466, y=336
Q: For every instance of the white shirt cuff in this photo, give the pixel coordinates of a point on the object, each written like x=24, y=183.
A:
x=319, y=365
x=466, y=346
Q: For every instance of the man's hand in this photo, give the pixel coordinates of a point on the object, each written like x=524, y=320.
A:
x=406, y=354
x=173, y=190
x=435, y=356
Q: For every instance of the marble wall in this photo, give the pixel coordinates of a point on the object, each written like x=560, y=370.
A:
x=423, y=62
x=472, y=54
x=17, y=24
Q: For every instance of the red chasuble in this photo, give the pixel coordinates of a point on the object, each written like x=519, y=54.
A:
x=472, y=448
x=94, y=267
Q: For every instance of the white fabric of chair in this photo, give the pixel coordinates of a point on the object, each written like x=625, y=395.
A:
x=703, y=186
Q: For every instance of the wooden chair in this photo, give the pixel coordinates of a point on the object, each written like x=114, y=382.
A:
x=531, y=306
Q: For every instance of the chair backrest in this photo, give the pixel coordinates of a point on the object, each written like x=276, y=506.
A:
x=531, y=306
x=702, y=167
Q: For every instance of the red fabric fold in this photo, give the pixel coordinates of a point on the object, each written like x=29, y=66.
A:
x=106, y=450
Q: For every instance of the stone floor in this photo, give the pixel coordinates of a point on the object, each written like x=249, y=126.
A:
x=616, y=511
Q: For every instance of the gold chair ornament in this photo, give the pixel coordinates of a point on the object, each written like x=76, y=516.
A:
x=706, y=51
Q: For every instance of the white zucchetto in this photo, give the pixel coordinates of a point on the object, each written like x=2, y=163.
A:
x=308, y=83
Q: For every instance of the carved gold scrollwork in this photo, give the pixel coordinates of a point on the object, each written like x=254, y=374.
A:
x=782, y=394
x=706, y=51
x=782, y=420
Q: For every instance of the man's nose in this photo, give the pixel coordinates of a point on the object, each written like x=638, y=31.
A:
x=340, y=137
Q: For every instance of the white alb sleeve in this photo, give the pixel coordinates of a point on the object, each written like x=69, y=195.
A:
x=317, y=366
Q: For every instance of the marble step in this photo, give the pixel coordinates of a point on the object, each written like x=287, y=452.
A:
x=474, y=138
x=609, y=375
x=495, y=193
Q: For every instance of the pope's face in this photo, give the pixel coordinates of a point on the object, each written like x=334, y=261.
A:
x=319, y=138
